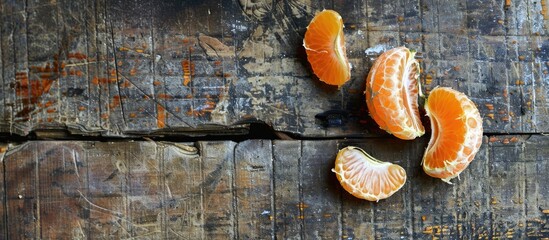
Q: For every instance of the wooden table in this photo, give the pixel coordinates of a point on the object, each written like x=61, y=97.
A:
x=110, y=111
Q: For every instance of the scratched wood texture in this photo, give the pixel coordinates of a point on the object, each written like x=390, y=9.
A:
x=119, y=68
x=263, y=189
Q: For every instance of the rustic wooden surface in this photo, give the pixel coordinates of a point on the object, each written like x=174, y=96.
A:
x=263, y=189
x=149, y=68
x=118, y=68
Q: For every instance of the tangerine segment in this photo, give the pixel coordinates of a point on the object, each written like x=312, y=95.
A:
x=456, y=133
x=325, y=46
x=366, y=177
x=392, y=91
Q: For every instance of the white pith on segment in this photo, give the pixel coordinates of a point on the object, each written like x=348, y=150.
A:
x=363, y=174
x=339, y=47
x=473, y=138
x=404, y=121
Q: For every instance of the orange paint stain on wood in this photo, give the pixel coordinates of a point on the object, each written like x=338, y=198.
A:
x=133, y=71
x=125, y=84
x=31, y=90
x=188, y=71
x=156, y=83
x=81, y=108
x=99, y=81
x=104, y=115
x=161, y=116
x=163, y=96
x=116, y=101
x=519, y=82
x=78, y=56
x=133, y=115
x=51, y=110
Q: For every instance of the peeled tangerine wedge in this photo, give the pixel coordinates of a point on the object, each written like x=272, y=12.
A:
x=456, y=133
x=366, y=177
x=392, y=91
x=325, y=46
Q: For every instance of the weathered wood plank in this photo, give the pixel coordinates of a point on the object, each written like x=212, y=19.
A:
x=61, y=163
x=97, y=79
x=507, y=197
x=473, y=210
x=219, y=211
x=535, y=186
x=254, y=189
x=116, y=69
x=108, y=187
x=3, y=194
x=4, y=94
x=321, y=195
x=287, y=196
x=145, y=194
x=73, y=62
x=264, y=189
x=14, y=59
x=183, y=179
x=22, y=201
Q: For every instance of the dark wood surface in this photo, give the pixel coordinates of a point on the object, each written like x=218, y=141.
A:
x=117, y=68
x=198, y=68
x=262, y=189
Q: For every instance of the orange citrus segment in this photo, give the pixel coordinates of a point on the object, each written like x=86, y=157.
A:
x=456, y=133
x=325, y=46
x=366, y=177
x=392, y=92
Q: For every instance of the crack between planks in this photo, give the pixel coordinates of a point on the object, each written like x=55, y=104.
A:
x=273, y=192
x=233, y=191
x=300, y=189
x=37, y=192
x=201, y=189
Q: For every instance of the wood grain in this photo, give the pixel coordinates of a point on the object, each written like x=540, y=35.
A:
x=113, y=68
x=254, y=189
x=266, y=189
